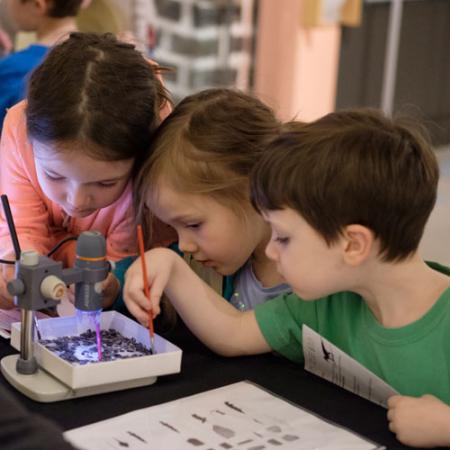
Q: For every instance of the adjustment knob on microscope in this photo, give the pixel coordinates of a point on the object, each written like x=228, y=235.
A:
x=53, y=288
x=16, y=287
x=29, y=258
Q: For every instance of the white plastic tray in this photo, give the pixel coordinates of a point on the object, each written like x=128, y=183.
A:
x=167, y=359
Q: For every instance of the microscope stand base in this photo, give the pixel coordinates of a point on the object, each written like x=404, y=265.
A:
x=44, y=387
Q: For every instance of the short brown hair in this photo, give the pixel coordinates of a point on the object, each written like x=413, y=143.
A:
x=208, y=146
x=63, y=8
x=353, y=167
x=98, y=90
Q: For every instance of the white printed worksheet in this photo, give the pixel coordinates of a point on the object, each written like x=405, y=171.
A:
x=328, y=361
x=239, y=416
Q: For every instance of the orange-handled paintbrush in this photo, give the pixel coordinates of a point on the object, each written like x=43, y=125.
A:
x=146, y=286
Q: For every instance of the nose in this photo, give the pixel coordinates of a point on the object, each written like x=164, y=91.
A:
x=186, y=244
x=270, y=251
x=77, y=197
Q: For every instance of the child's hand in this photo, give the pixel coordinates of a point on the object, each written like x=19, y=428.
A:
x=160, y=262
x=207, y=314
x=110, y=291
x=7, y=274
x=111, y=288
x=419, y=422
x=70, y=293
x=6, y=301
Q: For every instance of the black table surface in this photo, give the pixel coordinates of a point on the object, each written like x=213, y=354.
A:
x=202, y=370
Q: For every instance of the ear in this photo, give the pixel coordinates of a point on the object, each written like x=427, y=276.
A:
x=42, y=6
x=358, y=243
x=85, y=4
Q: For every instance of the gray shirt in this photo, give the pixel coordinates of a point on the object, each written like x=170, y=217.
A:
x=249, y=292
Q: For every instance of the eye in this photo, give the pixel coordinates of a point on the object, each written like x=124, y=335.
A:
x=53, y=177
x=282, y=240
x=193, y=225
x=106, y=184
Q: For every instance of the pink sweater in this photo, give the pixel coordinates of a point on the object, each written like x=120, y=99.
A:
x=39, y=221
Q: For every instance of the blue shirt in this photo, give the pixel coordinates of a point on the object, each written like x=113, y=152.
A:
x=14, y=71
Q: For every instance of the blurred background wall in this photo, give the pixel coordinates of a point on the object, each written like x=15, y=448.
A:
x=422, y=84
x=303, y=57
x=302, y=65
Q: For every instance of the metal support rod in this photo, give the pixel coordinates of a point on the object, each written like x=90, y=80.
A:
x=391, y=56
x=26, y=335
x=26, y=364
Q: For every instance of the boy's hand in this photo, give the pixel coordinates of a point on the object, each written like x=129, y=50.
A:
x=419, y=422
x=159, y=263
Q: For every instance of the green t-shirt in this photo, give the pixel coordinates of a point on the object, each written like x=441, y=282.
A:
x=414, y=359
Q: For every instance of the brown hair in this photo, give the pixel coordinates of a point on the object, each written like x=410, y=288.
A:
x=208, y=146
x=63, y=8
x=98, y=90
x=353, y=167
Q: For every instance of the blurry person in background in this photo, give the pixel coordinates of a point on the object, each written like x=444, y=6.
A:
x=5, y=43
x=52, y=21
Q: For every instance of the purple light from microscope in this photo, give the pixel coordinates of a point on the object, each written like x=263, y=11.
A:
x=98, y=336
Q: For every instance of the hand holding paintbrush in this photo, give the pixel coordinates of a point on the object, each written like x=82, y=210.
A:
x=146, y=287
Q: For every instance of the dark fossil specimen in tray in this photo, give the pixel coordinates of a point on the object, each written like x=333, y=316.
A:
x=82, y=349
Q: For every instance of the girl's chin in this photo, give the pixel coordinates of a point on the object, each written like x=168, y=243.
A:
x=208, y=263
x=226, y=271
x=79, y=214
x=217, y=267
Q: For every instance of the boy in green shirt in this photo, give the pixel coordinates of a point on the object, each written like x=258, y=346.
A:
x=347, y=198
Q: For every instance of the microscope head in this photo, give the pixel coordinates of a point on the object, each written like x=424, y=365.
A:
x=91, y=261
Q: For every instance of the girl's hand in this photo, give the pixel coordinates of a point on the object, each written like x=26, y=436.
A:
x=160, y=263
x=111, y=289
x=70, y=293
x=6, y=301
x=7, y=274
x=419, y=422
